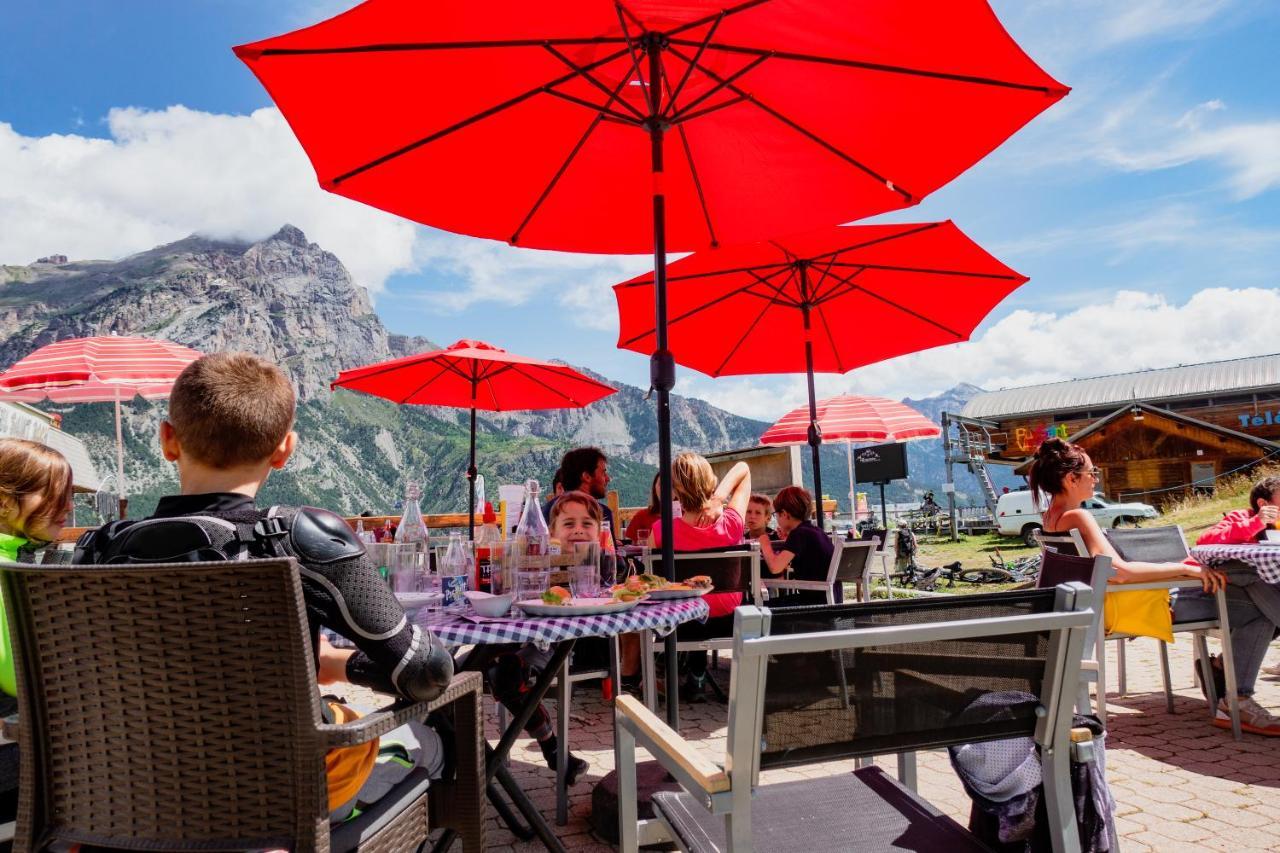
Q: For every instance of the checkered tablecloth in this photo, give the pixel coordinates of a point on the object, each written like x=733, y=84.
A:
x=545, y=631
x=1264, y=559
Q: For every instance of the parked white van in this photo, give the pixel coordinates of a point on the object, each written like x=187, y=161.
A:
x=1017, y=516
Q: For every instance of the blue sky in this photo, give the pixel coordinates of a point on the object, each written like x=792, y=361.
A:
x=1144, y=206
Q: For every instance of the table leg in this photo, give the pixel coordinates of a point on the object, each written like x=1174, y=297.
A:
x=673, y=682
x=564, y=696
x=522, y=802
x=647, y=676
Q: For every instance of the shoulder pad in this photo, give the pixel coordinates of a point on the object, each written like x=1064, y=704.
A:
x=320, y=536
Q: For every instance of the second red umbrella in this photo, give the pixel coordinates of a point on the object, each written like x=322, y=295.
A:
x=477, y=376
x=825, y=302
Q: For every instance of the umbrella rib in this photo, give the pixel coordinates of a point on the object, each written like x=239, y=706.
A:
x=907, y=310
x=917, y=229
x=736, y=291
x=688, y=69
x=596, y=108
x=803, y=131
x=876, y=66
x=550, y=388
x=401, y=47
x=831, y=339
x=689, y=114
x=734, y=351
x=930, y=271
x=710, y=273
x=724, y=13
x=564, y=167
x=444, y=368
x=841, y=281
x=826, y=273
x=619, y=9
x=693, y=168
x=466, y=122
x=590, y=78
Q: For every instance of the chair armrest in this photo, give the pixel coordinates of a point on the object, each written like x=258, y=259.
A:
x=668, y=747
x=795, y=584
x=390, y=717
x=11, y=727
x=1170, y=583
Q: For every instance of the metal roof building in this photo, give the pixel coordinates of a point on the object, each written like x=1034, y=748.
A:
x=1218, y=379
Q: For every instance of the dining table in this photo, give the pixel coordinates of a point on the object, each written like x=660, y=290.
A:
x=1262, y=558
x=487, y=637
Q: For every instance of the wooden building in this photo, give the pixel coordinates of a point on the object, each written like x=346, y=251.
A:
x=1154, y=433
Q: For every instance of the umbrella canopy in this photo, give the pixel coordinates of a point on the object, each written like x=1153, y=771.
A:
x=477, y=376
x=853, y=418
x=827, y=302
x=98, y=370
x=533, y=123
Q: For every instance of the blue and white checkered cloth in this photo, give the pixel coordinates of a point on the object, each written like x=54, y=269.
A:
x=662, y=617
x=1264, y=559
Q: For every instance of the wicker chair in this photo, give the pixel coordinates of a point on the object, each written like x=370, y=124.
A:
x=818, y=684
x=175, y=707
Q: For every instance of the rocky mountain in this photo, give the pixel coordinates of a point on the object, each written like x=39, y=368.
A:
x=294, y=303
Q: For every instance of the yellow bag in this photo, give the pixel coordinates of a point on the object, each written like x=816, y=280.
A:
x=1142, y=613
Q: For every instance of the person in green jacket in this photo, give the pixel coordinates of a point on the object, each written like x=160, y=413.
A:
x=35, y=501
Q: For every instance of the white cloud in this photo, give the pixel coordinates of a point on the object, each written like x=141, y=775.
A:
x=162, y=175
x=1132, y=20
x=1131, y=331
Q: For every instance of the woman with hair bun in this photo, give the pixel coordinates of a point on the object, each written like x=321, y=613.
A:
x=1065, y=474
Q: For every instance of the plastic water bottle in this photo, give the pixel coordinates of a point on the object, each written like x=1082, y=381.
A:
x=453, y=573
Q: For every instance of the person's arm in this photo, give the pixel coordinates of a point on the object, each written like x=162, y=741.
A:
x=1131, y=571
x=776, y=562
x=345, y=592
x=735, y=488
x=1238, y=527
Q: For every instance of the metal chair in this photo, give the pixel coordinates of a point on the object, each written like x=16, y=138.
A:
x=850, y=563
x=815, y=684
x=1157, y=545
x=1058, y=568
x=732, y=569
x=175, y=707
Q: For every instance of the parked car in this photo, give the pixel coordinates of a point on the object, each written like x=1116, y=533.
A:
x=1017, y=516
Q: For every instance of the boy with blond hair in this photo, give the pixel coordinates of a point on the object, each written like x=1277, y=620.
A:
x=230, y=425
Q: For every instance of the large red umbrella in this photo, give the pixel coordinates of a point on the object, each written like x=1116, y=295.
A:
x=98, y=370
x=477, y=376
x=852, y=418
x=827, y=301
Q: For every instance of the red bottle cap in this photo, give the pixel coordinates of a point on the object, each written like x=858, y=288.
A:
x=490, y=517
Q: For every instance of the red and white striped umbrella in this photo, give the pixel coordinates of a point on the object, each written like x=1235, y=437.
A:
x=98, y=370
x=853, y=419
x=850, y=417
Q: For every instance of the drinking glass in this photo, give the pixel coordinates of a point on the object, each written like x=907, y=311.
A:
x=528, y=574
x=584, y=574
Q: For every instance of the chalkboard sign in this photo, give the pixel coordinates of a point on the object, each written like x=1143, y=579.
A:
x=881, y=463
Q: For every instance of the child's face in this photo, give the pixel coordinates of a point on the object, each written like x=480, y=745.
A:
x=575, y=524
x=41, y=529
x=758, y=516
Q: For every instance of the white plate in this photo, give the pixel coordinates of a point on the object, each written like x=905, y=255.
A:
x=576, y=607
x=669, y=594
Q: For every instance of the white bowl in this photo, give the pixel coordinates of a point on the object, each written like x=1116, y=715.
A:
x=1273, y=535
x=490, y=605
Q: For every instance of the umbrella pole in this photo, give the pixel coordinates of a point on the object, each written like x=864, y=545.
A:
x=815, y=434
x=124, y=501
x=662, y=368
x=471, y=479
x=853, y=488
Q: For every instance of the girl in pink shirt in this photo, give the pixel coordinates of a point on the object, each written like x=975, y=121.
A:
x=711, y=517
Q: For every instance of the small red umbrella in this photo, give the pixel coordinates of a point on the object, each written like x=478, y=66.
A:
x=98, y=370
x=477, y=376
x=853, y=418
x=826, y=302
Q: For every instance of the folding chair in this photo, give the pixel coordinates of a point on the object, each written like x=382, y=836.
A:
x=850, y=563
x=815, y=684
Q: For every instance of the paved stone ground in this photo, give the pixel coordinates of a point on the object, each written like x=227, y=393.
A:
x=1180, y=784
